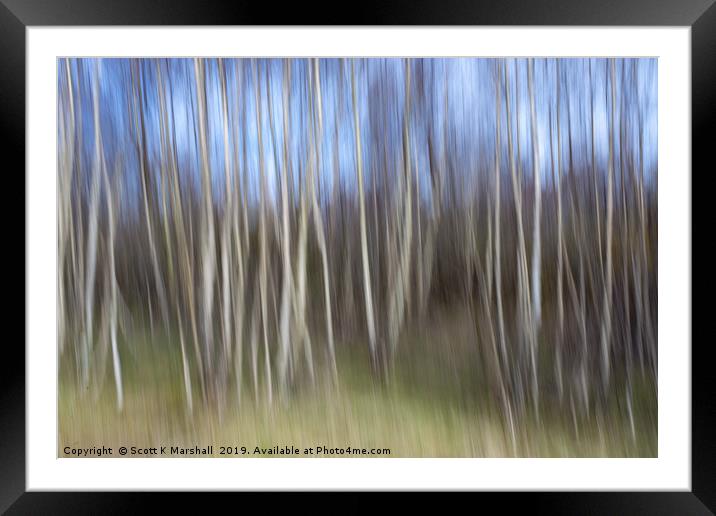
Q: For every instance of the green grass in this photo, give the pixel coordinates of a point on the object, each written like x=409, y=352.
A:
x=436, y=405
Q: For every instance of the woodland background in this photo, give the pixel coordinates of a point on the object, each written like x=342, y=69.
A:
x=448, y=257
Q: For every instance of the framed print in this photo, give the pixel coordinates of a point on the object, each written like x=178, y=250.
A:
x=368, y=254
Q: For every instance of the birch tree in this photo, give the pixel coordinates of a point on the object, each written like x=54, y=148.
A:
x=367, y=295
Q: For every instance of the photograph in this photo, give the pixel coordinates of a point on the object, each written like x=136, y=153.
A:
x=357, y=257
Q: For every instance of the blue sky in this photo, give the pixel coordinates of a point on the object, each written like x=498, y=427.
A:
x=461, y=92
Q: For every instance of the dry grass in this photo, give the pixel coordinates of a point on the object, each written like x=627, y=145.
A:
x=426, y=411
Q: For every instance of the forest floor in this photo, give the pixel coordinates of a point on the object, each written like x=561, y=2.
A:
x=434, y=406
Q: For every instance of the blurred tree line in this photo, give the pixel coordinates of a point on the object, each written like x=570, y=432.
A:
x=264, y=213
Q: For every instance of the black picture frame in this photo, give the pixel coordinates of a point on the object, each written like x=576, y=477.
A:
x=17, y=15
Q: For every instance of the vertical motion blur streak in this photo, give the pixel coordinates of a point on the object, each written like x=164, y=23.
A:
x=445, y=257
